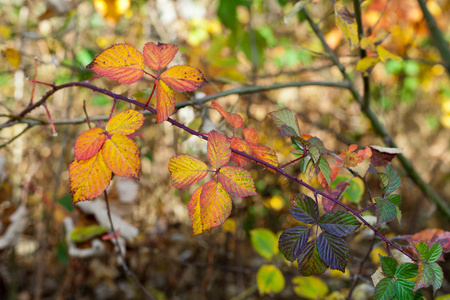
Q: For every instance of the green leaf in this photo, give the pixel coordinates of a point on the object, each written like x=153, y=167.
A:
x=293, y=240
x=429, y=273
x=406, y=271
x=386, y=210
x=315, y=154
x=354, y=191
x=391, y=180
x=309, y=262
x=385, y=289
x=226, y=11
x=66, y=202
x=286, y=117
x=264, y=242
x=422, y=250
x=405, y=289
x=326, y=170
x=339, y=223
x=397, y=200
x=311, y=287
x=305, y=209
x=83, y=234
x=62, y=252
x=388, y=265
x=298, y=145
x=333, y=251
x=435, y=252
x=269, y=279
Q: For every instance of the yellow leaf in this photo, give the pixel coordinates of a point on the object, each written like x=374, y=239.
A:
x=367, y=44
x=88, y=178
x=347, y=24
x=111, y=10
x=186, y=170
x=237, y=181
x=310, y=287
x=12, y=56
x=5, y=32
x=366, y=64
x=384, y=54
x=125, y=122
x=121, y=155
x=165, y=101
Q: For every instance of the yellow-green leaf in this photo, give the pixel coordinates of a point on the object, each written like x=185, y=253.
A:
x=186, y=170
x=269, y=280
x=385, y=55
x=366, y=64
x=310, y=287
x=346, y=22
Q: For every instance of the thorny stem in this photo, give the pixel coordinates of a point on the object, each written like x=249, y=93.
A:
x=205, y=137
x=122, y=258
x=293, y=161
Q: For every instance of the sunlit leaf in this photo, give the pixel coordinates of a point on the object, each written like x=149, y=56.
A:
x=165, y=101
x=240, y=145
x=269, y=280
x=265, y=154
x=339, y=223
x=367, y=64
x=209, y=207
x=286, y=117
x=251, y=135
x=89, y=143
x=88, y=178
x=237, y=181
x=333, y=251
x=346, y=22
x=183, y=78
x=111, y=10
x=159, y=56
x=125, y=122
x=121, y=155
x=234, y=119
x=218, y=149
x=186, y=170
x=121, y=62
x=296, y=9
x=385, y=55
x=311, y=287
x=264, y=241
x=293, y=240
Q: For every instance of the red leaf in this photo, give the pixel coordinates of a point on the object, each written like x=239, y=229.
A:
x=89, y=178
x=382, y=156
x=264, y=153
x=237, y=181
x=251, y=135
x=336, y=193
x=183, y=78
x=431, y=235
x=240, y=145
x=159, y=56
x=334, y=172
x=165, y=101
x=122, y=63
x=218, y=149
x=234, y=119
x=209, y=207
x=121, y=155
x=186, y=170
x=89, y=143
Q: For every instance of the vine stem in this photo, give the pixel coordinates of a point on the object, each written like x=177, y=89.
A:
x=205, y=137
x=122, y=258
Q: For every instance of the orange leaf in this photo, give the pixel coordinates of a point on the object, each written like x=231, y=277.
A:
x=125, y=122
x=237, y=181
x=334, y=172
x=183, y=78
x=218, y=149
x=159, y=56
x=264, y=153
x=89, y=143
x=240, y=145
x=165, y=102
x=88, y=178
x=121, y=62
x=186, y=170
x=250, y=134
x=122, y=156
x=209, y=207
x=234, y=119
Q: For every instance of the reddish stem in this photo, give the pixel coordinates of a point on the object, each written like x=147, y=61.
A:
x=151, y=95
x=50, y=120
x=44, y=83
x=112, y=109
x=151, y=75
x=34, y=80
x=93, y=78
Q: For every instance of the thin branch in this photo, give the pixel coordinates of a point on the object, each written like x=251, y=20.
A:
x=122, y=258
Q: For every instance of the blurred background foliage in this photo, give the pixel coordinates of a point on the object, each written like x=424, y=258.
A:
x=235, y=43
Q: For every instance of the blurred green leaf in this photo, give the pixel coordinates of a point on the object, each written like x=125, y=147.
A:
x=311, y=287
x=264, y=241
x=269, y=280
x=83, y=234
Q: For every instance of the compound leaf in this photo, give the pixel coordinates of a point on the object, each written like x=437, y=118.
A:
x=386, y=210
x=385, y=289
x=304, y=209
x=165, y=101
x=89, y=143
x=406, y=271
x=183, y=78
x=333, y=251
x=88, y=178
x=309, y=261
x=186, y=170
x=125, y=122
x=237, y=181
x=121, y=62
x=234, y=119
x=388, y=265
x=121, y=155
x=159, y=56
x=293, y=240
x=218, y=149
x=339, y=223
